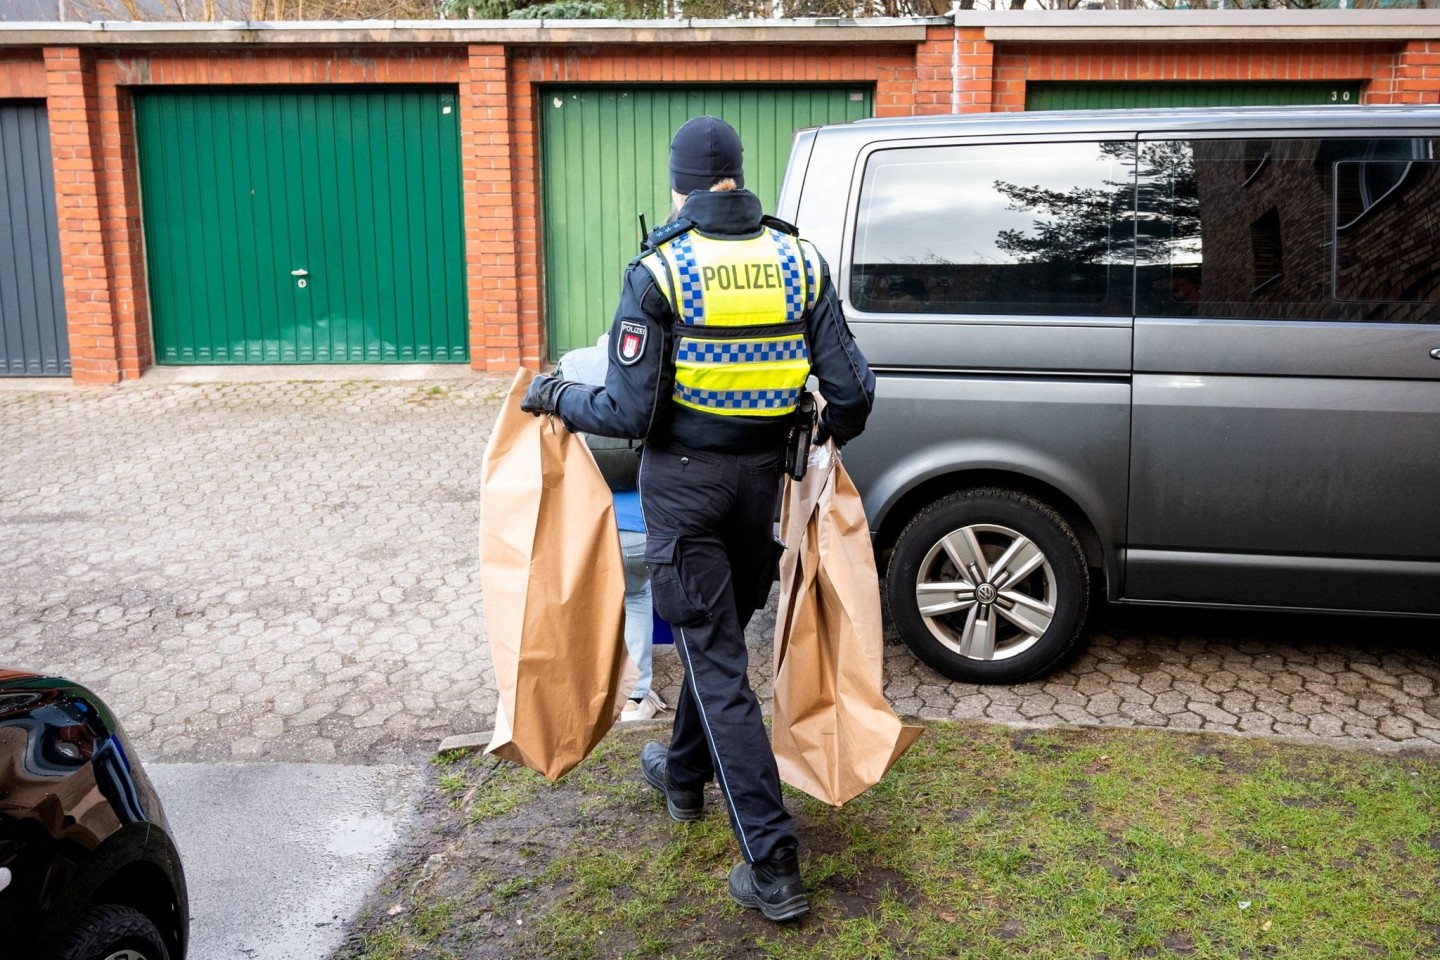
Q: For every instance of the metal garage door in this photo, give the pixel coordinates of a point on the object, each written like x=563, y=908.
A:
x=1102, y=96
x=605, y=159
x=303, y=225
x=33, y=339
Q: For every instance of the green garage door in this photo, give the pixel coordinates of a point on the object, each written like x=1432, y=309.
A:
x=303, y=225
x=1106, y=96
x=605, y=153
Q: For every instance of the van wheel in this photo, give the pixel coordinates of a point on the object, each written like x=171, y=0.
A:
x=109, y=931
x=988, y=586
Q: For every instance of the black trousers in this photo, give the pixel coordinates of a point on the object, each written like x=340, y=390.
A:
x=710, y=547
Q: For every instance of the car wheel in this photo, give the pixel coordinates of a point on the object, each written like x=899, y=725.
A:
x=988, y=586
x=112, y=932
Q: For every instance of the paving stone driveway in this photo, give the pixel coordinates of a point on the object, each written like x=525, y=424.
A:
x=287, y=571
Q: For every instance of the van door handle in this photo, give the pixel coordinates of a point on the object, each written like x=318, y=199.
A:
x=1435, y=354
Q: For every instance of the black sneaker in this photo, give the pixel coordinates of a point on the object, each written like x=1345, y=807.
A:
x=771, y=886
x=683, y=804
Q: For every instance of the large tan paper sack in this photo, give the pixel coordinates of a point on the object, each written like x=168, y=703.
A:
x=554, y=590
x=834, y=733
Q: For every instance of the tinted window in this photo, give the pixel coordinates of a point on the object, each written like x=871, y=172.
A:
x=1297, y=229
x=1015, y=228
x=1387, y=238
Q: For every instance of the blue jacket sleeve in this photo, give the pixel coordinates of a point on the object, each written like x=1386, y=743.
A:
x=846, y=382
x=637, y=384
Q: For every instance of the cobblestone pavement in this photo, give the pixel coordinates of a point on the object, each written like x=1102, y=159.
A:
x=288, y=571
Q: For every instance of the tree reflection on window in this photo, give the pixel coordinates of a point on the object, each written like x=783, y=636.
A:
x=1003, y=228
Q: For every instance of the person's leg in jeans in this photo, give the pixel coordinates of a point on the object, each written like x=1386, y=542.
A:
x=639, y=624
x=639, y=619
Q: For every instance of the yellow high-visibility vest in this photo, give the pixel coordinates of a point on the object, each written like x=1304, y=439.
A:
x=742, y=305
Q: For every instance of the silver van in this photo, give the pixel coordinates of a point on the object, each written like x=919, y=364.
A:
x=1186, y=357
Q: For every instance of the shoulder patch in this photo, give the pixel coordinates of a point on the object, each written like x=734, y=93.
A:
x=668, y=232
x=630, y=347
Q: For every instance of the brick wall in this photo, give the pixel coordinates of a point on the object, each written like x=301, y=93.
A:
x=950, y=69
x=22, y=75
x=1413, y=77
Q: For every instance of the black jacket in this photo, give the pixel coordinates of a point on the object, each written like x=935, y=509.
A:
x=635, y=401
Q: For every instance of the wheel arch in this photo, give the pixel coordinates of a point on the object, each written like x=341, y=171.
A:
x=136, y=867
x=145, y=887
x=904, y=503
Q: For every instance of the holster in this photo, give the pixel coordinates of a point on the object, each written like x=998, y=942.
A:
x=797, y=444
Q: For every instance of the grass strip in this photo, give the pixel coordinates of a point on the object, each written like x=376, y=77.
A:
x=983, y=842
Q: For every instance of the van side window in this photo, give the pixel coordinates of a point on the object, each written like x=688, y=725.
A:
x=997, y=229
x=1323, y=230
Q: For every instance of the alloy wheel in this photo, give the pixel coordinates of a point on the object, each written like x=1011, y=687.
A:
x=986, y=592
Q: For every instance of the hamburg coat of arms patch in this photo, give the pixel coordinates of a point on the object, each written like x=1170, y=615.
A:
x=631, y=346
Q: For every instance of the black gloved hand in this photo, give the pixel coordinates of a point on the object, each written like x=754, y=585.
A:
x=822, y=433
x=543, y=394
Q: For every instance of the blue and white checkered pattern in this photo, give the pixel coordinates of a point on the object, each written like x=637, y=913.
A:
x=741, y=351
x=738, y=399
x=812, y=281
x=687, y=280
x=790, y=275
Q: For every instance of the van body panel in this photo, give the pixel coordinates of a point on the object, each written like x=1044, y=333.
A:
x=1340, y=584
x=793, y=185
x=1087, y=346
x=1069, y=434
x=1288, y=348
x=1294, y=468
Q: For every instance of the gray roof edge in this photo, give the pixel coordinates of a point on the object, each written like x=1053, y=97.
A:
x=1295, y=114
x=1093, y=25
x=254, y=32
x=1149, y=18
x=999, y=25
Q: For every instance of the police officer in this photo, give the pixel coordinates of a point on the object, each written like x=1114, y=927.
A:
x=721, y=321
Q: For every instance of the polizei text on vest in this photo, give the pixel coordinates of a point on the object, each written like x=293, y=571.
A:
x=744, y=276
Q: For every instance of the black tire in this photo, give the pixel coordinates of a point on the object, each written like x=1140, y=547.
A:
x=109, y=931
x=953, y=643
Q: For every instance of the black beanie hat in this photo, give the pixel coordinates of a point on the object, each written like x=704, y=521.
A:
x=705, y=149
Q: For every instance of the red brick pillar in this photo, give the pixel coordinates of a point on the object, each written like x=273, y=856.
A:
x=974, y=65
x=954, y=71
x=75, y=145
x=1417, y=73
x=120, y=220
x=497, y=342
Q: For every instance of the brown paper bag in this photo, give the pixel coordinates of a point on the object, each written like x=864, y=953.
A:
x=834, y=733
x=554, y=590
